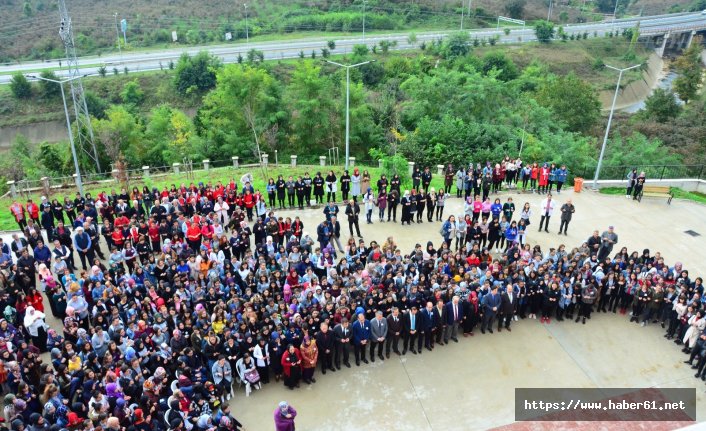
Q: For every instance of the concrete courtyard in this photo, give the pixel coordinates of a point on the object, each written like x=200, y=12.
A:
x=470, y=385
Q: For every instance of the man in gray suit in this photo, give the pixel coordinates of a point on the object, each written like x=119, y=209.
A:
x=378, y=333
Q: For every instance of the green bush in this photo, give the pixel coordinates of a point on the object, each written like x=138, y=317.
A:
x=21, y=88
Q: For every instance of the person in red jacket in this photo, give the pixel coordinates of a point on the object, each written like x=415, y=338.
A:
x=193, y=236
x=292, y=365
x=533, y=177
x=33, y=210
x=249, y=201
x=544, y=179
x=18, y=211
x=118, y=238
x=153, y=233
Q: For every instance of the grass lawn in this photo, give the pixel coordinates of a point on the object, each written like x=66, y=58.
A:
x=7, y=222
x=678, y=193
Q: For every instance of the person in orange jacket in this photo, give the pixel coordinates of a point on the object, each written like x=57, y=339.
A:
x=18, y=211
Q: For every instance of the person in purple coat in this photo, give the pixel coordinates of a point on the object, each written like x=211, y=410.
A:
x=284, y=417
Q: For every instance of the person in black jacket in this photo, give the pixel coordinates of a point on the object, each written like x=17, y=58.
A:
x=318, y=183
x=416, y=178
x=394, y=332
x=426, y=179
x=393, y=199
x=325, y=341
x=412, y=323
x=353, y=213
x=300, y=190
x=281, y=188
x=345, y=185
x=343, y=335
x=507, y=308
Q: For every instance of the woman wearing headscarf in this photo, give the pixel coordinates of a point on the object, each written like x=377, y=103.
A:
x=470, y=313
x=36, y=327
x=284, y=417
x=310, y=354
x=291, y=362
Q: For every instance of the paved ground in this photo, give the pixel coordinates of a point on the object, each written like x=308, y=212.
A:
x=470, y=385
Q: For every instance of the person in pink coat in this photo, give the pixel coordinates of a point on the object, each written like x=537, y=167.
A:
x=284, y=416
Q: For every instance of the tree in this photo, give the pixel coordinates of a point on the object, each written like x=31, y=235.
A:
x=132, y=94
x=121, y=135
x=636, y=150
x=246, y=103
x=515, y=8
x=255, y=55
x=21, y=88
x=688, y=65
x=331, y=44
x=458, y=44
x=309, y=97
x=544, y=30
x=496, y=60
x=102, y=71
x=27, y=9
x=606, y=6
x=573, y=101
x=196, y=73
x=49, y=89
x=662, y=106
x=51, y=158
x=412, y=38
x=360, y=51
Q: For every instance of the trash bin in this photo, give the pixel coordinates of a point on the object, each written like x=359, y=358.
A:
x=578, y=184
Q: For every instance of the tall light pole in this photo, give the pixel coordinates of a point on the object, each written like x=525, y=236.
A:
x=363, y=20
x=117, y=37
x=615, y=12
x=610, y=120
x=247, y=33
x=549, y=12
x=463, y=7
x=348, y=100
x=79, y=182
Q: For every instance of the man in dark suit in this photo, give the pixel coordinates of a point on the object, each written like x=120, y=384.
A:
x=361, y=337
x=342, y=333
x=394, y=331
x=454, y=317
x=508, y=300
x=429, y=325
x=378, y=333
x=440, y=317
x=412, y=324
x=326, y=342
x=491, y=307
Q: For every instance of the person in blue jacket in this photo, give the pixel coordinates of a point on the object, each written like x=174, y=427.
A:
x=361, y=335
x=560, y=177
x=552, y=176
x=496, y=208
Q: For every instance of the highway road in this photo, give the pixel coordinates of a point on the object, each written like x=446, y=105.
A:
x=274, y=50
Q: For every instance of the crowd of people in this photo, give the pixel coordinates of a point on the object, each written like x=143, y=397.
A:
x=181, y=295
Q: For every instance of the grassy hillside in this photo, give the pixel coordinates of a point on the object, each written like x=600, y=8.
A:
x=31, y=26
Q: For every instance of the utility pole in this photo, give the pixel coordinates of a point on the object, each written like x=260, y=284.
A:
x=117, y=37
x=549, y=13
x=463, y=7
x=83, y=118
x=610, y=120
x=79, y=182
x=348, y=101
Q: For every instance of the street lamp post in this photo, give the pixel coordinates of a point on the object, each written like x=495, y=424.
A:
x=247, y=33
x=615, y=12
x=348, y=100
x=117, y=37
x=363, y=20
x=610, y=120
x=79, y=182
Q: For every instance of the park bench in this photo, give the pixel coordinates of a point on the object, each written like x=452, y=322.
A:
x=658, y=192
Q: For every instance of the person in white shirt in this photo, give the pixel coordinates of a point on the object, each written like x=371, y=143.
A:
x=547, y=209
